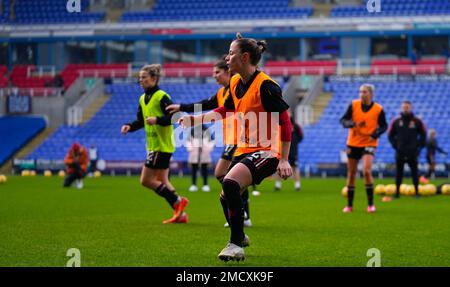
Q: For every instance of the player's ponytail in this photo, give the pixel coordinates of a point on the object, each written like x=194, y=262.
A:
x=262, y=45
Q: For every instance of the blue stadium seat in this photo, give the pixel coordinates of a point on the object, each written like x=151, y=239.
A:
x=217, y=10
x=16, y=131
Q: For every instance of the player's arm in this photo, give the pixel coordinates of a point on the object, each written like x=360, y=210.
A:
x=136, y=125
x=84, y=160
x=284, y=168
x=68, y=159
x=346, y=120
x=382, y=126
x=392, y=133
x=439, y=149
x=217, y=114
x=272, y=101
x=165, y=120
x=207, y=104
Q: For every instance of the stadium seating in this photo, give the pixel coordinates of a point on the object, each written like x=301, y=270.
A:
x=3, y=78
x=200, y=10
x=53, y=11
x=279, y=68
x=324, y=140
x=72, y=71
x=4, y=16
x=391, y=8
x=187, y=69
x=21, y=76
x=103, y=130
x=432, y=66
x=16, y=132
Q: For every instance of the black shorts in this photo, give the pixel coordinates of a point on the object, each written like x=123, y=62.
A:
x=358, y=152
x=158, y=160
x=293, y=159
x=260, y=164
x=228, y=152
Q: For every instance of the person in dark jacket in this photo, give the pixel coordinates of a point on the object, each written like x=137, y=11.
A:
x=407, y=136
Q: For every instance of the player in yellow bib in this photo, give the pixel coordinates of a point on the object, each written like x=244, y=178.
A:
x=153, y=117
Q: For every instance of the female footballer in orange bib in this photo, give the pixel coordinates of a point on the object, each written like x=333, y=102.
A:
x=366, y=122
x=262, y=150
x=222, y=75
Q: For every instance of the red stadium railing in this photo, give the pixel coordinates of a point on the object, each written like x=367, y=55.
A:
x=407, y=67
x=41, y=80
x=72, y=71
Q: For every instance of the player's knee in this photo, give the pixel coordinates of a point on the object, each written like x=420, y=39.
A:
x=219, y=176
x=351, y=174
x=367, y=173
x=149, y=183
x=230, y=187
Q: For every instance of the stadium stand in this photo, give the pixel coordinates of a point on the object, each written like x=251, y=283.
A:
x=198, y=10
x=3, y=77
x=395, y=8
x=50, y=12
x=103, y=130
x=278, y=68
x=326, y=138
x=431, y=66
x=72, y=71
x=21, y=76
x=4, y=16
x=323, y=140
x=18, y=130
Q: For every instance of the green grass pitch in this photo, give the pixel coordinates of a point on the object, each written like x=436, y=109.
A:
x=114, y=221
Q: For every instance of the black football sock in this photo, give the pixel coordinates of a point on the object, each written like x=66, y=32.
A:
x=220, y=178
x=245, y=203
x=170, y=196
x=204, y=170
x=369, y=192
x=224, y=204
x=351, y=194
x=231, y=190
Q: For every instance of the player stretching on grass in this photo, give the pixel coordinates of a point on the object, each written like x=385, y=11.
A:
x=222, y=76
x=255, y=98
x=366, y=122
x=153, y=117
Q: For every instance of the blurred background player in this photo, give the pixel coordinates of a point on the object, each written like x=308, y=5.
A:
x=407, y=136
x=432, y=147
x=222, y=76
x=366, y=121
x=93, y=157
x=252, y=92
x=152, y=116
x=77, y=161
x=297, y=137
x=199, y=145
